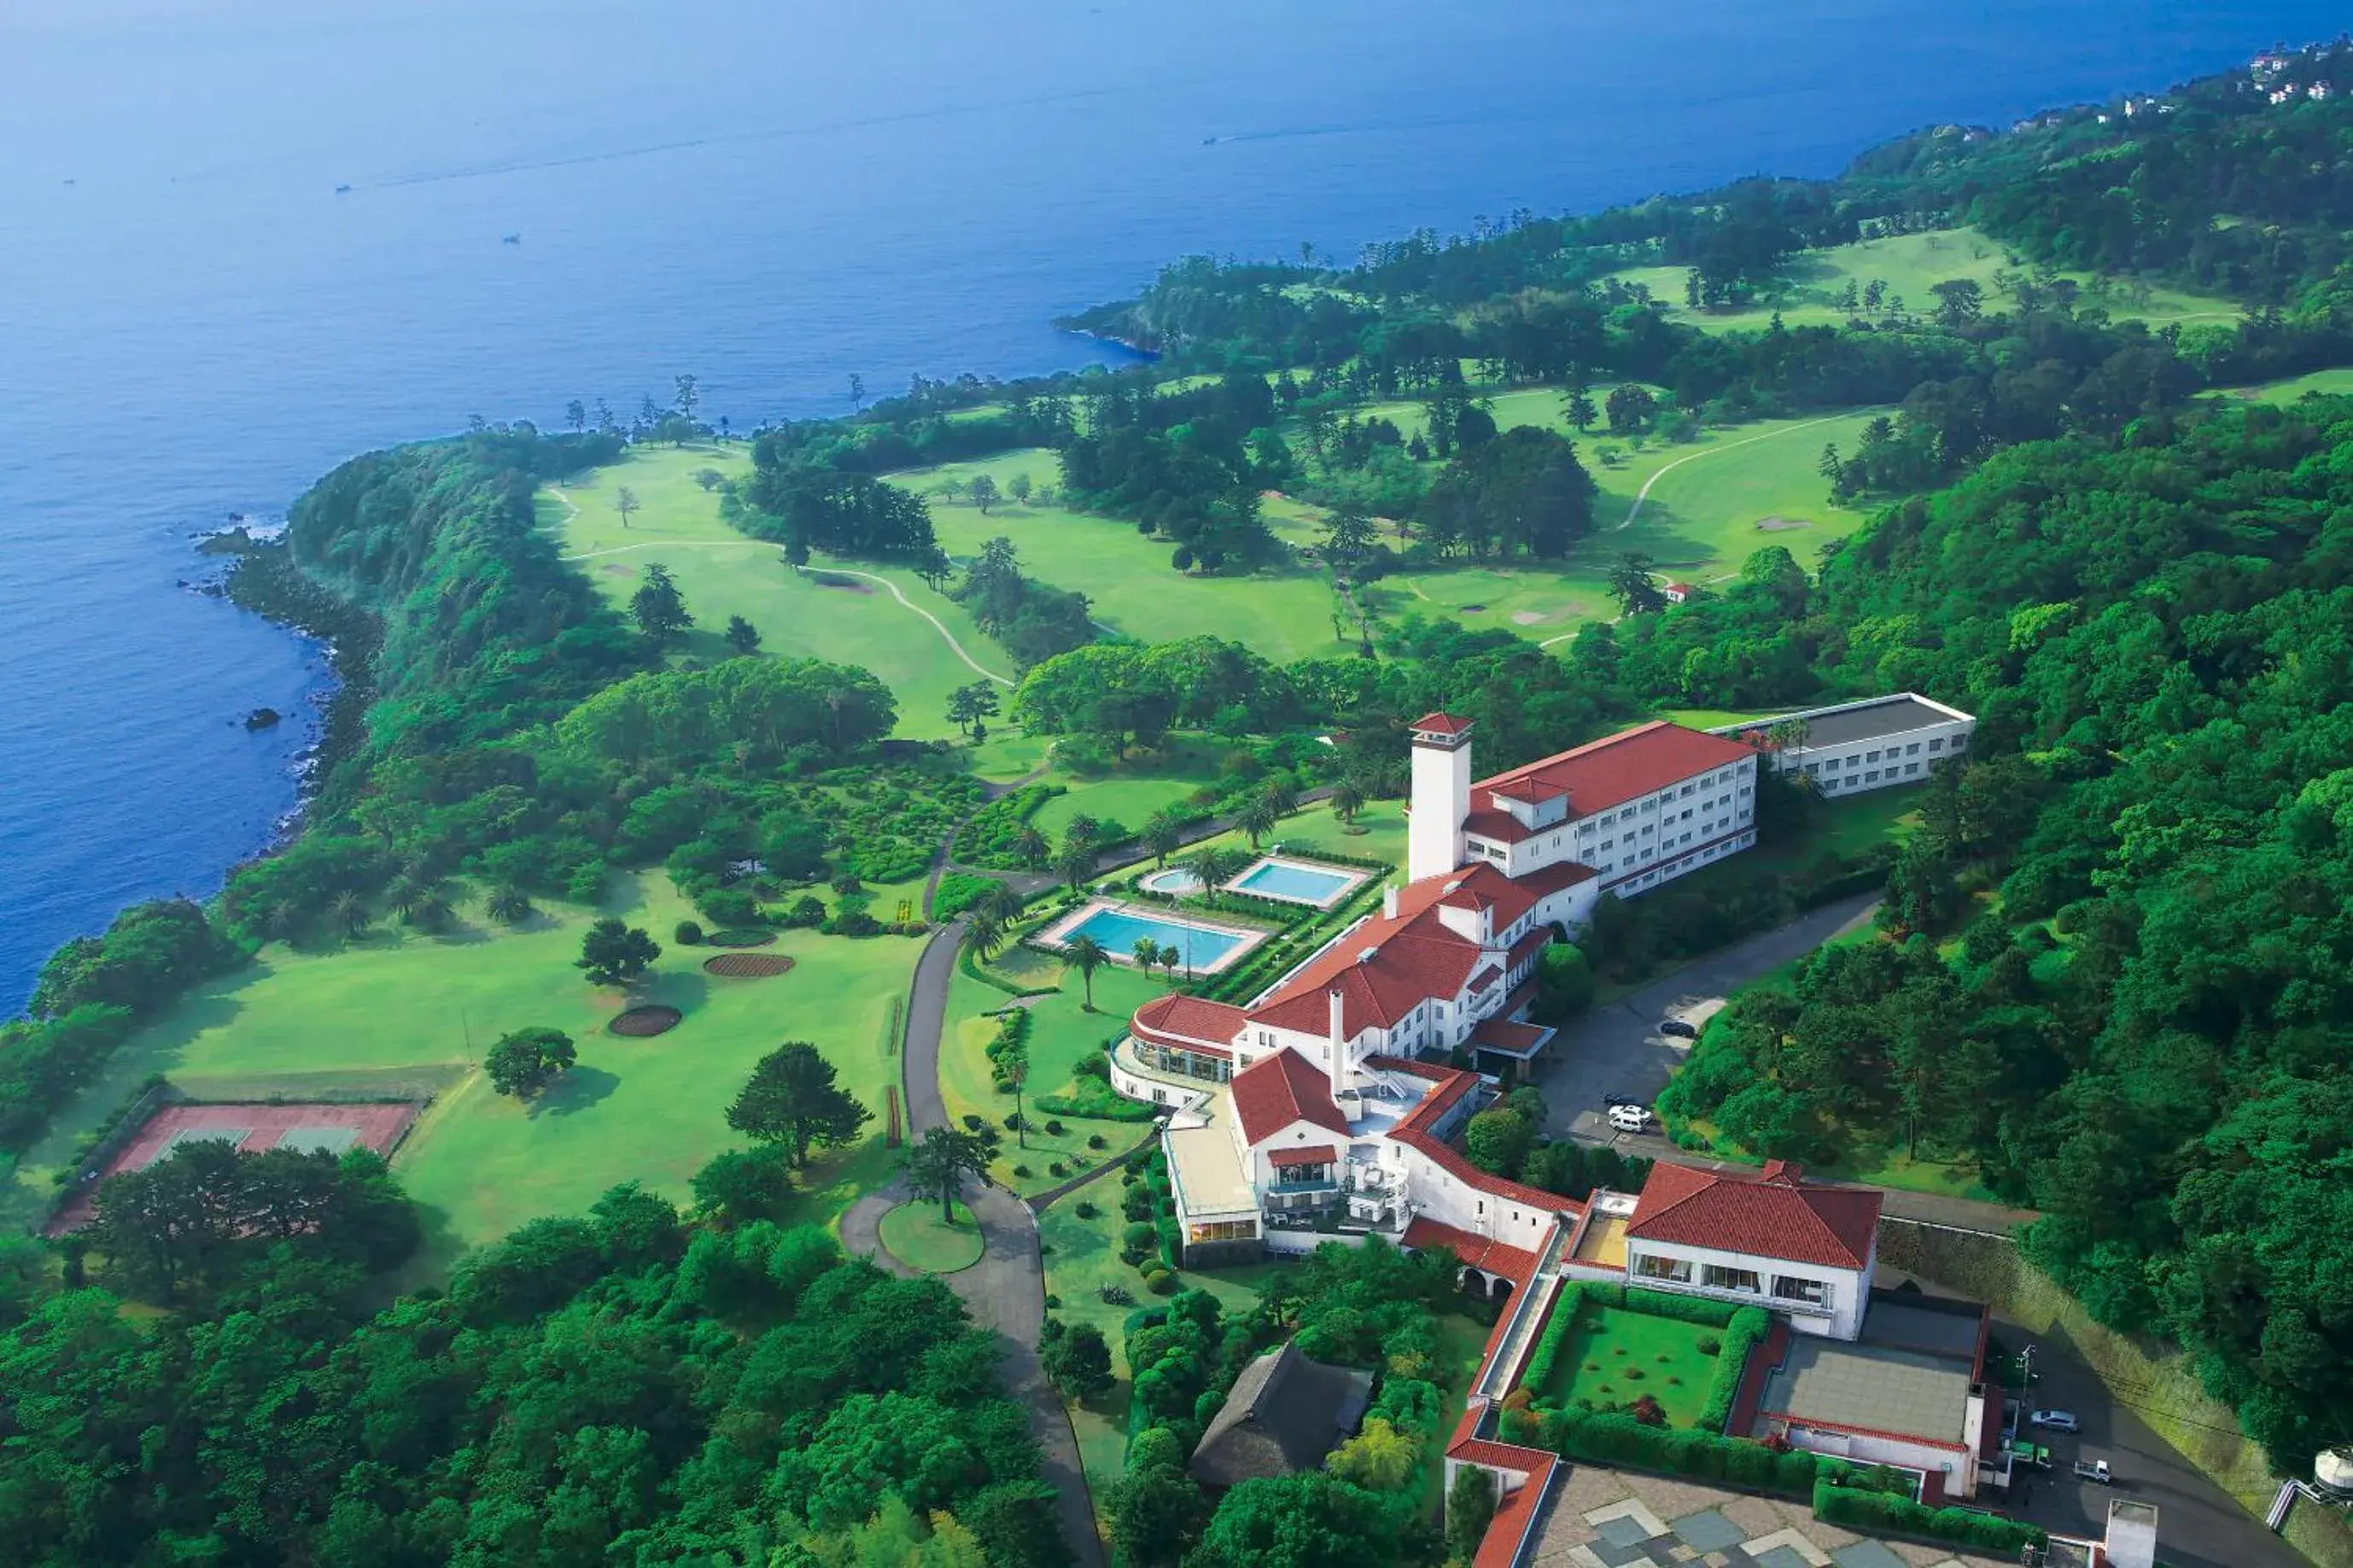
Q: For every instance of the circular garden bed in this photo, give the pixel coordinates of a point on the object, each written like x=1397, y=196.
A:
x=915, y=1236
x=744, y=936
x=746, y=965
x=640, y=1023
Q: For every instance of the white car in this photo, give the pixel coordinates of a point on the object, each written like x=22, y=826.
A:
x=2054, y=1421
x=1631, y=1118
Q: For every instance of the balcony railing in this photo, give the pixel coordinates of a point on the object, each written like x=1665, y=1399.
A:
x=1743, y=1297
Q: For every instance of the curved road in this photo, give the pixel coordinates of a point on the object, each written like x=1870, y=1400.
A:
x=1005, y=1290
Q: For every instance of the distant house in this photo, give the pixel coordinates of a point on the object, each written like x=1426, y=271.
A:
x=1864, y=745
x=1677, y=593
x=1285, y=1413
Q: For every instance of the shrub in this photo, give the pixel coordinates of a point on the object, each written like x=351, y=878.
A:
x=1749, y=1325
x=1086, y=1210
x=1160, y=1282
x=1053, y=1302
x=1057, y=1168
x=1860, y=1508
x=973, y=1123
x=688, y=933
x=1708, y=1344
x=1022, y=1171
x=1115, y=1296
x=1136, y=1242
x=1097, y=1140
x=1053, y=1129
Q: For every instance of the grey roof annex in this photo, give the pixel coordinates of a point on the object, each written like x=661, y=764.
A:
x=1851, y=723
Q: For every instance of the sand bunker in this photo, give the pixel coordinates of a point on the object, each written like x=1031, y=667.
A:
x=1780, y=524
x=641, y=1023
x=747, y=965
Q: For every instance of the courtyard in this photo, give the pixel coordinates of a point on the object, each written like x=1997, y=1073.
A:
x=1615, y=1355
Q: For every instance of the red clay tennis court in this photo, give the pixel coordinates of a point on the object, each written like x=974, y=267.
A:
x=254, y=1128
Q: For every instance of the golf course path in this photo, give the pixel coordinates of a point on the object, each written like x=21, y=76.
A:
x=1005, y=1290
x=927, y=615
x=1644, y=493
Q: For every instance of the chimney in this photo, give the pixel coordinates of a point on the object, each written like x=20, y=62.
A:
x=1338, y=1012
x=1388, y=902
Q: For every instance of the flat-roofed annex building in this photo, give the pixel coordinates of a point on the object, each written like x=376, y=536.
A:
x=1851, y=747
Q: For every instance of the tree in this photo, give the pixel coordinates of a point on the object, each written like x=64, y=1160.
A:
x=525, y=1062
x=350, y=913
x=659, y=608
x=1470, y=1509
x=1259, y=816
x=1086, y=955
x=1075, y=1357
x=1959, y=301
x=1031, y=848
x=1348, y=537
x=1311, y=1520
x=1379, y=1458
x=1631, y=585
x=1498, y=1140
x=709, y=479
x=796, y=551
x=741, y=637
x=790, y=1100
x=1580, y=410
x=970, y=706
x=508, y=904
x=937, y=1166
x=1076, y=863
x=1018, y=486
x=1147, y=954
x=575, y=416
x=983, y=492
x=625, y=501
x=984, y=932
x=689, y=397
x=612, y=953
x=857, y=392
x=1163, y=835
x=1348, y=799
x=1157, y=1511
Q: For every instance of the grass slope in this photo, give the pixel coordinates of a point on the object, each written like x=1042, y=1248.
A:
x=1910, y=264
x=402, y=1004
x=722, y=572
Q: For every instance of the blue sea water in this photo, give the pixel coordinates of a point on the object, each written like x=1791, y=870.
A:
x=771, y=195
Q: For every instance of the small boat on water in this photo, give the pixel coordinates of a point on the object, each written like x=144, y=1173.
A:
x=512, y=240
x=343, y=190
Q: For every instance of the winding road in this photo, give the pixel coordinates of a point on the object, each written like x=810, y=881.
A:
x=1644, y=493
x=1005, y=1290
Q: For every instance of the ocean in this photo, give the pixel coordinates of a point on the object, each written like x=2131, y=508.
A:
x=195, y=322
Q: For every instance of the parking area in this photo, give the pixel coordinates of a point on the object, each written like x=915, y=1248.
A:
x=1619, y=1050
x=2199, y=1524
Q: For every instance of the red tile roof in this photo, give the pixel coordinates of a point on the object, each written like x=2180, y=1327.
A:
x=1275, y=1091
x=1441, y=724
x=1426, y=1235
x=1312, y=1154
x=1500, y=826
x=1415, y=957
x=1484, y=978
x=1774, y=1215
x=1507, y=1533
x=1415, y=1134
x=1547, y=880
x=1618, y=768
x=1191, y=1024
x=1510, y=1038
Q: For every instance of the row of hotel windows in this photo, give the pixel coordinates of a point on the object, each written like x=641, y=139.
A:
x=1721, y=1276
x=1864, y=758
x=1677, y=867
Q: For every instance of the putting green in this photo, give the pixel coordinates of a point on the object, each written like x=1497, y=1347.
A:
x=403, y=1007
x=918, y=1237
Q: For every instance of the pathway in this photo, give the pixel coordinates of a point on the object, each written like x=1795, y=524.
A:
x=927, y=615
x=1005, y=1290
x=1644, y=493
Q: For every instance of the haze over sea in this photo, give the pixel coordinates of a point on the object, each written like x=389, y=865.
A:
x=771, y=195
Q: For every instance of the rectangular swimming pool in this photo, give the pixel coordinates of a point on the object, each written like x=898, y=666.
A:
x=1296, y=882
x=1203, y=947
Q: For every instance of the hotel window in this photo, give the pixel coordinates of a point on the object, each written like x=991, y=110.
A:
x=1870, y=756
x=1717, y=1277
x=1648, y=829
x=1648, y=806
x=1791, y=1289
x=1686, y=816
x=1855, y=759
x=1912, y=750
x=1937, y=744
x=1871, y=777
x=1686, y=791
x=1911, y=768
x=1959, y=741
x=1608, y=844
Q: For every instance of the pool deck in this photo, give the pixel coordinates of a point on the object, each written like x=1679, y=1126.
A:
x=1057, y=936
x=1352, y=878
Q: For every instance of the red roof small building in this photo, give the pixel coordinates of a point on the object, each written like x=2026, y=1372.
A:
x=1439, y=724
x=1772, y=1215
x=1275, y=1091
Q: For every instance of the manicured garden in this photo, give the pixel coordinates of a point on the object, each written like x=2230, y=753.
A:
x=1617, y=1357
x=919, y=1236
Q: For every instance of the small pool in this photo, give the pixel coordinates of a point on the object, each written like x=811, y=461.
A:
x=1296, y=882
x=1117, y=929
x=1176, y=882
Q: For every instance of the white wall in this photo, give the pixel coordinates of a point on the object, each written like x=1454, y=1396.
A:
x=1859, y=766
x=1849, y=1289
x=1959, y=1471
x=1441, y=798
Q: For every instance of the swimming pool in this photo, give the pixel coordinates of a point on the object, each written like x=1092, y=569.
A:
x=1296, y=882
x=1176, y=882
x=1116, y=928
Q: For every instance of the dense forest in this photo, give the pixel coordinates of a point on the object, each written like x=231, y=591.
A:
x=2128, y=976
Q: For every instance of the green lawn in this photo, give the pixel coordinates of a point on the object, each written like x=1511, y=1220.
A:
x=1614, y=1355
x=1314, y=828
x=1060, y=1036
x=722, y=572
x=1129, y=801
x=1910, y=264
x=1848, y=827
x=405, y=1005
x=2338, y=381
x=918, y=1237
x=1128, y=579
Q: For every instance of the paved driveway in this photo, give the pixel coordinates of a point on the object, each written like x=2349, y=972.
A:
x=1618, y=1049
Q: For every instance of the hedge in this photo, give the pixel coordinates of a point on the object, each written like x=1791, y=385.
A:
x=1090, y=1096
x=1613, y=1439
x=1859, y=1509
x=1748, y=1326
x=1565, y=1306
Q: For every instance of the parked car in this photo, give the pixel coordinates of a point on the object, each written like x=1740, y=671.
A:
x=2095, y=1471
x=1630, y=1117
x=2056, y=1421
x=2035, y=1453
x=1680, y=1030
